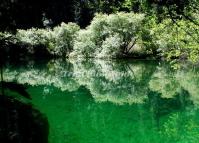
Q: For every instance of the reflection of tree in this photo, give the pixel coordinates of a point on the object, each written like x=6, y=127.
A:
x=169, y=83
x=56, y=73
x=189, y=80
x=120, y=81
x=181, y=128
x=164, y=82
x=163, y=106
x=116, y=81
x=161, y=92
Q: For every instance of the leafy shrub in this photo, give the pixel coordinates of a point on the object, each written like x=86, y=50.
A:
x=58, y=41
x=62, y=38
x=105, y=27
x=177, y=40
x=84, y=44
x=33, y=36
x=35, y=40
x=147, y=35
x=118, y=35
x=110, y=47
x=6, y=37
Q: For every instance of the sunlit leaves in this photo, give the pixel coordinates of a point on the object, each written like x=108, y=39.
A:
x=58, y=41
x=177, y=40
x=111, y=35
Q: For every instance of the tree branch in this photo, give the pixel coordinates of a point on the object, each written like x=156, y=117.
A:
x=128, y=49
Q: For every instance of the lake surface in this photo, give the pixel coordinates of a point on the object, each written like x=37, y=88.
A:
x=125, y=101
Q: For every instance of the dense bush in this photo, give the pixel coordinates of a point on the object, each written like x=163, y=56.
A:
x=58, y=41
x=109, y=35
x=62, y=38
x=176, y=40
x=110, y=46
x=84, y=45
x=117, y=35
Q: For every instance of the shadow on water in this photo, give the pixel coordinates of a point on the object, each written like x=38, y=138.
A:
x=163, y=106
x=20, y=122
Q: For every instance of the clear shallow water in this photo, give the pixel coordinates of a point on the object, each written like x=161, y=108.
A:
x=98, y=101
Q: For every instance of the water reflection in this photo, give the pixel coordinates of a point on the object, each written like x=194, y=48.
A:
x=119, y=82
x=113, y=101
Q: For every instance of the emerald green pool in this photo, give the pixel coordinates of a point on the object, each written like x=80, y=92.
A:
x=125, y=101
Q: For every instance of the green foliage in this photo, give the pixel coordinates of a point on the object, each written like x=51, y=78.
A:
x=118, y=35
x=62, y=38
x=111, y=35
x=58, y=41
x=6, y=38
x=177, y=40
x=108, y=6
x=136, y=6
x=147, y=35
x=84, y=44
x=110, y=46
x=33, y=36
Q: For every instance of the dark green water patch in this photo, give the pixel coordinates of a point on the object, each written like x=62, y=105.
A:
x=98, y=101
x=20, y=122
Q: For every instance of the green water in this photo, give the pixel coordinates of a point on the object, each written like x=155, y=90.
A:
x=98, y=101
